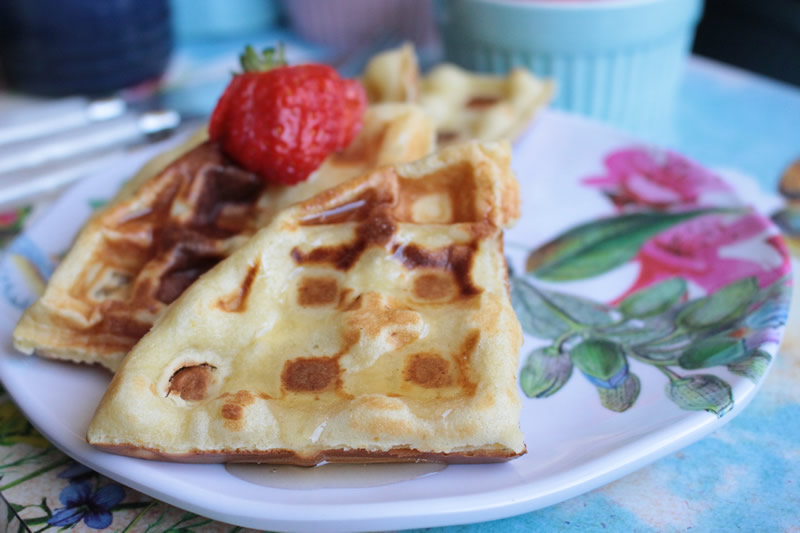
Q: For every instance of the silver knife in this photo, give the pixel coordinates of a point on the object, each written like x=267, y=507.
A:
x=88, y=138
x=31, y=118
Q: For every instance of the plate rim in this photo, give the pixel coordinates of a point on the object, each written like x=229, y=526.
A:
x=492, y=505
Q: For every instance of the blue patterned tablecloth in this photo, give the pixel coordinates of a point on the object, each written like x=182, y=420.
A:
x=743, y=477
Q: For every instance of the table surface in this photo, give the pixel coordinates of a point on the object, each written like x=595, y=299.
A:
x=742, y=477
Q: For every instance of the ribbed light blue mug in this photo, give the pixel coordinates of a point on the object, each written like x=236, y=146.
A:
x=617, y=60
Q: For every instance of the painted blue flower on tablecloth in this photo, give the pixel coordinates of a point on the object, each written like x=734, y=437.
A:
x=76, y=472
x=81, y=503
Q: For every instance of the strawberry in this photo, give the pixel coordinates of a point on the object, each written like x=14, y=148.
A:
x=282, y=121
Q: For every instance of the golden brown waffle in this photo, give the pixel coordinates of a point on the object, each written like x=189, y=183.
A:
x=371, y=323
x=172, y=224
x=464, y=105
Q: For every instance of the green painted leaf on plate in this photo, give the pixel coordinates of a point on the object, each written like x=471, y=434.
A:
x=753, y=366
x=638, y=332
x=535, y=315
x=548, y=314
x=713, y=351
x=621, y=397
x=603, y=362
x=660, y=357
x=728, y=303
x=654, y=299
x=701, y=392
x=582, y=310
x=667, y=349
x=545, y=372
x=601, y=245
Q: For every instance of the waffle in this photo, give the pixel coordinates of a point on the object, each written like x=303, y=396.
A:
x=371, y=323
x=173, y=222
x=464, y=105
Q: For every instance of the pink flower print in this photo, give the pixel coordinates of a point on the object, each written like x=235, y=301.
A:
x=8, y=218
x=659, y=179
x=712, y=251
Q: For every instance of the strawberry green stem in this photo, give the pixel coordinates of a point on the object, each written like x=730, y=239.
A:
x=268, y=59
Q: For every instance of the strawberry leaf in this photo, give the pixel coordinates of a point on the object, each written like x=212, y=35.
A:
x=268, y=59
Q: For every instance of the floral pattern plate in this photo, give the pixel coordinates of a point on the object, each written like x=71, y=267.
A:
x=652, y=300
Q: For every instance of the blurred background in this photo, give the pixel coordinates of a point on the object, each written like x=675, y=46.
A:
x=67, y=64
x=67, y=47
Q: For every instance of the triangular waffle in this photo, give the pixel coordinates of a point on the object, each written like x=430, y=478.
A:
x=371, y=323
x=166, y=228
x=463, y=104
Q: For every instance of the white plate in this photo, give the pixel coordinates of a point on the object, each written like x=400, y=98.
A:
x=574, y=443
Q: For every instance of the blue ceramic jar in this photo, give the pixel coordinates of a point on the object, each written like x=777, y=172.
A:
x=618, y=60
